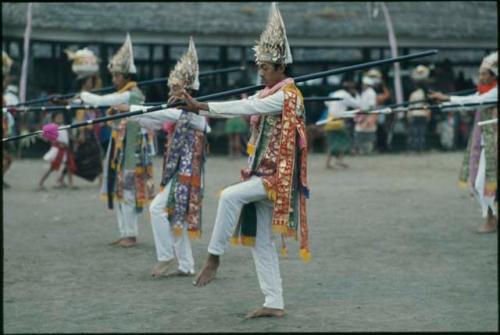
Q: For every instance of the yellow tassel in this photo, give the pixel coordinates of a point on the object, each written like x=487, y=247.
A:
x=271, y=194
x=462, y=184
x=177, y=231
x=219, y=193
x=284, y=252
x=250, y=149
x=491, y=186
x=104, y=197
x=280, y=229
x=194, y=234
x=235, y=241
x=162, y=188
x=305, y=255
x=248, y=241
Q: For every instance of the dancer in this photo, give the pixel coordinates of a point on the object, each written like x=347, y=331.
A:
x=479, y=167
x=272, y=194
x=128, y=167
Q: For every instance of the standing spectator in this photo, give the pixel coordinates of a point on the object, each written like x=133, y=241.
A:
x=366, y=125
x=235, y=128
x=418, y=118
x=339, y=141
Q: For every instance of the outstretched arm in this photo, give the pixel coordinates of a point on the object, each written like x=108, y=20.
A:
x=105, y=100
x=270, y=105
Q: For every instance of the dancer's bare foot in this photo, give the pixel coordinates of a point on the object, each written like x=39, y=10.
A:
x=489, y=227
x=116, y=242
x=128, y=242
x=207, y=274
x=163, y=268
x=41, y=188
x=265, y=312
x=344, y=165
x=61, y=185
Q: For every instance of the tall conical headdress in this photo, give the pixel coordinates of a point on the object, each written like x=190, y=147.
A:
x=186, y=71
x=490, y=62
x=6, y=63
x=273, y=45
x=123, y=60
x=85, y=63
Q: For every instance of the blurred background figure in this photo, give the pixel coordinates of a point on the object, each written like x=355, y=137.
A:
x=338, y=138
x=236, y=128
x=7, y=118
x=366, y=125
x=418, y=118
x=383, y=97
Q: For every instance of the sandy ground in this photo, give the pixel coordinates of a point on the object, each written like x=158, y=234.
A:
x=393, y=245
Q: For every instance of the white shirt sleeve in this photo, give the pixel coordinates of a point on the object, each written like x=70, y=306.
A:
x=105, y=100
x=368, y=99
x=474, y=98
x=270, y=105
x=351, y=102
x=155, y=120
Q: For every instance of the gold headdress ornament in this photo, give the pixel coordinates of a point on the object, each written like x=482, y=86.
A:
x=421, y=72
x=85, y=63
x=490, y=62
x=123, y=60
x=186, y=71
x=6, y=63
x=273, y=45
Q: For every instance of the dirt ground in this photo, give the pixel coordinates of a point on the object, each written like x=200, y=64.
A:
x=393, y=249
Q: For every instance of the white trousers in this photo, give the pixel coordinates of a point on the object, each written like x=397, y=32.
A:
x=168, y=245
x=264, y=253
x=485, y=202
x=127, y=215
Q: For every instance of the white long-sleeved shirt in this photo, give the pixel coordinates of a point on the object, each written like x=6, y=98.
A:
x=337, y=108
x=155, y=120
x=271, y=105
x=473, y=98
x=105, y=100
x=368, y=99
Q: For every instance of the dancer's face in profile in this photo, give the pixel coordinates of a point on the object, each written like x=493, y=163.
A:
x=271, y=73
x=485, y=76
x=119, y=80
x=175, y=91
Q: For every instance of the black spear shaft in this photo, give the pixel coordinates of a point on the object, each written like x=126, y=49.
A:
x=403, y=109
x=236, y=91
x=469, y=91
x=140, y=83
x=88, y=106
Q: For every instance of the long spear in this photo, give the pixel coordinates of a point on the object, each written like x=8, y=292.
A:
x=484, y=123
x=89, y=106
x=406, y=103
x=387, y=110
x=234, y=92
x=140, y=83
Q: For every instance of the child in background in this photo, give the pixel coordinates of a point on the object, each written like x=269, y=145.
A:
x=59, y=152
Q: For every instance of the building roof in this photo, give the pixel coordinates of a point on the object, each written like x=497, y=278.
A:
x=416, y=23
